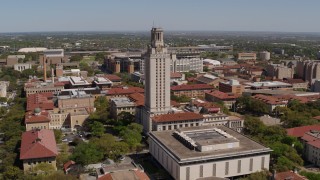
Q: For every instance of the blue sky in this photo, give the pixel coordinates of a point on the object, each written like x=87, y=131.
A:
x=137, y=15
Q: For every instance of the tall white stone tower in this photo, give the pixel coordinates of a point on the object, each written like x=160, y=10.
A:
x=157, y=79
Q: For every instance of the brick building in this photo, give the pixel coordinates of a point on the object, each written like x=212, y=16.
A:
x=232, y=86
x=38, y=146
x=192, y=90
x=228, y=99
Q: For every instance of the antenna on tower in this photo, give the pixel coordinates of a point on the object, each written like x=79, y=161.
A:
x=153, y=24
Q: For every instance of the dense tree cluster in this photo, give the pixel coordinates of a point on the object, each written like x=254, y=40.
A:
x=126, y=80
x=108, y=146
x=246, y=104
x=310, y=175
x=299, y=114
x=180, y=99
x=286, y=154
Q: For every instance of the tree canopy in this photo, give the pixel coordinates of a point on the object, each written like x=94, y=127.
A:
x=85, y=154
x=287, y=150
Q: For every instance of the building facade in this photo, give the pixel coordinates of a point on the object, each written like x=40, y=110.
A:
x=247, y=56
x=191, y=90
x=157, y=79
x=308, y=70
x=232, y=86
x=121, y=104
x=186, y=62
x=264, y=55
x=22, y=66
x=207, y=152
x=279, y=71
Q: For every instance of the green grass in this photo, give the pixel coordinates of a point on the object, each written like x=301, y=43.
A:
x=88, y=59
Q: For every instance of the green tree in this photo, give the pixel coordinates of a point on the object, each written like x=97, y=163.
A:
x=58, y=135
x=12, y=172
x=43, y=168
x=97, y=128
x=3, y=99
x=262, y=175
x=132, y=135
x=76, y=58
x=205, y=69
x=85, y=67
x=182, y=98
x=110, y=147
x=248, y=104
x=125, y=118
x=63, y=156
x=85, y=154
x=253, y=126
x=310, y=175
x=284, y=164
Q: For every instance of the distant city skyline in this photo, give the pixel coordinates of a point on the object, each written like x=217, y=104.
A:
x=178, y=15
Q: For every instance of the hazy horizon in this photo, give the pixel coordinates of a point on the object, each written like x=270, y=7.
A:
x=179, y=15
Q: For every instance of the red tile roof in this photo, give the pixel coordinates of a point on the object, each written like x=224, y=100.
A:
x=300, y=131
x=308, y=137
x=187, y=116
x=67, y=165
x=227, y=67
x=312, y=138
x=289, y=175
x=222, y=95
x=175, y=75
x=106, y=177
x=294, y=81
x=38, y=144
x=59, y=84
x=30, y=117
x=315, y=143
x=113, y=77
x=174, y=103
x=124, y=91
x=137, y=98
x=190, y=79
x=128, y=175
x=271, y=99
x=141, y=175
x=41, y=101
x=189, y=87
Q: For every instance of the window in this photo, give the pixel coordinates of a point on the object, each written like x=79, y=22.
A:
x=201, y=171
x=251, y=164
x=239, y=166
x=227, y=168
x=188, y=173
x=262, y=162
x=214, y=169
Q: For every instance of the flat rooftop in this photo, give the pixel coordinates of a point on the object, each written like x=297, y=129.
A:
x=268, y=84
x=280, y=92
x=122, y=101
x=184, y=153
x=102, y=80
x=206, y=139
x=78, y=81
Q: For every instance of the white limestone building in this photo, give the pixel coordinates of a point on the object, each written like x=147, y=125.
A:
x=206, y=152
x=157, y=79
x=22, y=66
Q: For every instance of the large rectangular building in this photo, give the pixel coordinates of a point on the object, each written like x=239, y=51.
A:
x=206, y=152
